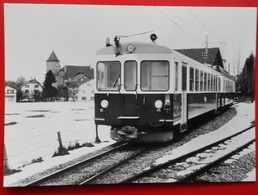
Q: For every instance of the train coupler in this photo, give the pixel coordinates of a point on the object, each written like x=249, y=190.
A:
x=126, y=133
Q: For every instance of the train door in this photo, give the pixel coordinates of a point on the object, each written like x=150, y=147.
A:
x=183, y=125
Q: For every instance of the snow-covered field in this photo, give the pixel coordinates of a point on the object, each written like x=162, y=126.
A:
x=31, y=129
x=31, y=132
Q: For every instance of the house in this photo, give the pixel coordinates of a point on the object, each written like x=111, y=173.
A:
x=86, y=91
x=31, y=90
x=211, y=56
x=10, y=93
x=69, y=77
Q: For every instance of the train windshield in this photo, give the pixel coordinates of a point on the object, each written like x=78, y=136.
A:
x=108, y=75
x=130, y=70
x=155, y=75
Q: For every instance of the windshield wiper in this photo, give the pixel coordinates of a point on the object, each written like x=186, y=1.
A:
x=115, y=82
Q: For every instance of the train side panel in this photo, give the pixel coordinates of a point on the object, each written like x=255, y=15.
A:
x=200, y=103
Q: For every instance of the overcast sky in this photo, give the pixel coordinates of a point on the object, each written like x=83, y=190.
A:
x=75, y=33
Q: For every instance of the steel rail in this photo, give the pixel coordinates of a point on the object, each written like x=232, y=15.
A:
x=56, y=173
x=155, y=168
x=191, y=176
x=92, y=179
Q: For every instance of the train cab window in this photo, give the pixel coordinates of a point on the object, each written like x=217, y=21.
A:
x=191, y=84
x=205, y=82
x=155, y=75
x=196, y=80
x=130, y=75
x=108, y=75
x=201, y=80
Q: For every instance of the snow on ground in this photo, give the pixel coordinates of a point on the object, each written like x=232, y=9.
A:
x=245, y=115
x=250, y=176
x=31, y=132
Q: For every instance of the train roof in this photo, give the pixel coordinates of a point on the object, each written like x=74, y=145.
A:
x=139, y=48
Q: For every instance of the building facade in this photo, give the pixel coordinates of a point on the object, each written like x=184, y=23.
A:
x=71, y=78
x=10, y=94
x=31, y=90
x=86, y=91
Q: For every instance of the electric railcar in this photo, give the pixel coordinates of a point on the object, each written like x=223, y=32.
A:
x=148, y=93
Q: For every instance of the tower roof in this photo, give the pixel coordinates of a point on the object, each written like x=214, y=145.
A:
x=52, y=57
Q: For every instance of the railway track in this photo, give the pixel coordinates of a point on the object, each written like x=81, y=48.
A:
x=86, y=171
x=175, y=168
x=186, y=167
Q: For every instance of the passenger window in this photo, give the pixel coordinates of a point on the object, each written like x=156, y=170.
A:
x=215, y=83
x=201, y=80
x=209, y=82
x=130, y=73
x=191, y=84
x=205, y=81
x=219, y=84
x=176, y=76
x=196, y=80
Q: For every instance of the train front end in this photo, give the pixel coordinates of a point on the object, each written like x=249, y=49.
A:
x=133, y=92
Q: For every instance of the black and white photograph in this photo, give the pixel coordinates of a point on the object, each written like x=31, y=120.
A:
x=101, y=94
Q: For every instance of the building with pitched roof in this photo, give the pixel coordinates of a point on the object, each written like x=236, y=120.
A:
x=69, y=72
x=10, y=93
x=86, y=91
x=31, y=89
x=69, y=76
x=211, y=56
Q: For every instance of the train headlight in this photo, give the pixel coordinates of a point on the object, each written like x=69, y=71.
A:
x=158, y=104
x=104, y=103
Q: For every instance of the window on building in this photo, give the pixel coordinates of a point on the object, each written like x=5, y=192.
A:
x=36, y=86
x=27, y=86
x=10, y=91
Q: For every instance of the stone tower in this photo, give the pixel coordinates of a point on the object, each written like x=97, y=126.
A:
x=53, y=63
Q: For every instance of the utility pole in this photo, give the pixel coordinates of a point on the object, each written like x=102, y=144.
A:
x=206, y=48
